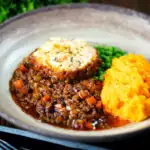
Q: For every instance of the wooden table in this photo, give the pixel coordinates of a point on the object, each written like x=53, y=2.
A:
x=139, y=5
x=5, y=123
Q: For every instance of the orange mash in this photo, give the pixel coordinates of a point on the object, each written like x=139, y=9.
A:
x=126, y=90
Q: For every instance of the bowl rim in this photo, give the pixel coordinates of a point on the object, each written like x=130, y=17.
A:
x=80, y=134
x=105, y=7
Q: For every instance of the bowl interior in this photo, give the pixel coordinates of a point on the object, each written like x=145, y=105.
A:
x=93, y=23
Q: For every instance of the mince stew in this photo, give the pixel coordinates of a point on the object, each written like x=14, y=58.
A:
x=72, y=104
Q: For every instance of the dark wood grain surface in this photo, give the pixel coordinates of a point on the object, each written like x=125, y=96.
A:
x=139, y=5
x=5, y=123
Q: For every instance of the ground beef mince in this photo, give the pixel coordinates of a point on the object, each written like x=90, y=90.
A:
x=73, y=104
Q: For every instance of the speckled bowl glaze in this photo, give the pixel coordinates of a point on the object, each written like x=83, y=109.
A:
x=92, y=22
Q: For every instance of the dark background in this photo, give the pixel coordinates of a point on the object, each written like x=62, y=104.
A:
x=139, y=5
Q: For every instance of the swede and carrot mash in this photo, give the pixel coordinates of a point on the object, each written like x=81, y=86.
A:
x=126, y=90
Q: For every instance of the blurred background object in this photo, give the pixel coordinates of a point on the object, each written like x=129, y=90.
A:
x=9, y=8
x=138, y=5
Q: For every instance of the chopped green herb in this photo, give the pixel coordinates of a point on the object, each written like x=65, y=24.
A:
x=55, y=59
x=71, y=59
x=79, y=62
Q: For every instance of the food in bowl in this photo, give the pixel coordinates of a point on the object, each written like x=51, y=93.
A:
x=51, y=87
x=68, y=59
x=128, y=83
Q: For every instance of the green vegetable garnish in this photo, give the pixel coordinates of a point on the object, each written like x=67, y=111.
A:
x=107, y=53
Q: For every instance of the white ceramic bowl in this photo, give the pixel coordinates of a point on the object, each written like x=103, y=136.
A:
x=104, y=24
